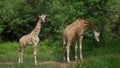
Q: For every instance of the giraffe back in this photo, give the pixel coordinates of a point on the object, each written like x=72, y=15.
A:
x=28, y=39
x=75, y=29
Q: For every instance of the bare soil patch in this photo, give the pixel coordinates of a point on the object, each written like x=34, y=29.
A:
x=56, y=64
x=59, y=64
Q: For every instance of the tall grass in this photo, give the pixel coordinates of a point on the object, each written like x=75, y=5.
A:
x=95, y=57
x=100, y=62
x=101, y=57
x=47, y=50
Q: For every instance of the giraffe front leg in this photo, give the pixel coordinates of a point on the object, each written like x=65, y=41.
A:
x=76, y=47
x=81, y=53
x=64, y=58
x=81, y=38
x=64, y=47
x=68, y=50
x=35, y=53
x=21, y=55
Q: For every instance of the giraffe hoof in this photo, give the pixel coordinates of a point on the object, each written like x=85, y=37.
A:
x=36, y=64
x=68, y=61
x=20, y=62
x=64, y=59
x=76, y=59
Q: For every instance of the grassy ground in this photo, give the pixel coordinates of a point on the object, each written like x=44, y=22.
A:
x=97, y=57
x=9, y=52
x=105, y=61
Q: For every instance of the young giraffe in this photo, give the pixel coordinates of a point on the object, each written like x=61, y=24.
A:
x=31, y=39
x=76, y=31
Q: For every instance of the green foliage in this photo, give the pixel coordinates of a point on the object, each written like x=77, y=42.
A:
x=19, y=17
x=113, y=9
x=16, y=15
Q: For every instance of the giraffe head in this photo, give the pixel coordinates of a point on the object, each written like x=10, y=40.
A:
x=96, y=34
x=42, y=17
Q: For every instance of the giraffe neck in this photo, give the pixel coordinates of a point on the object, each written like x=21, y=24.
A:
x=96, y=34
x=37, y=28
x=90, y=26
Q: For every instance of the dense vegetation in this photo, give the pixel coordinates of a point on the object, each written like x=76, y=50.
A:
x=95, y=57
x=19, y=17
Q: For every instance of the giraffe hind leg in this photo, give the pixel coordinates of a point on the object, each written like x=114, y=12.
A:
x=20, y=60
x=76, y=47
x=67, y=51
x=64, y=47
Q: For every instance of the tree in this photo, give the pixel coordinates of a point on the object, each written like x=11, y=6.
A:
x=18, y=17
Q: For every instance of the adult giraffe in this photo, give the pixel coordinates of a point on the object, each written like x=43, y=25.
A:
x=31, y=39
x=76, y=31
